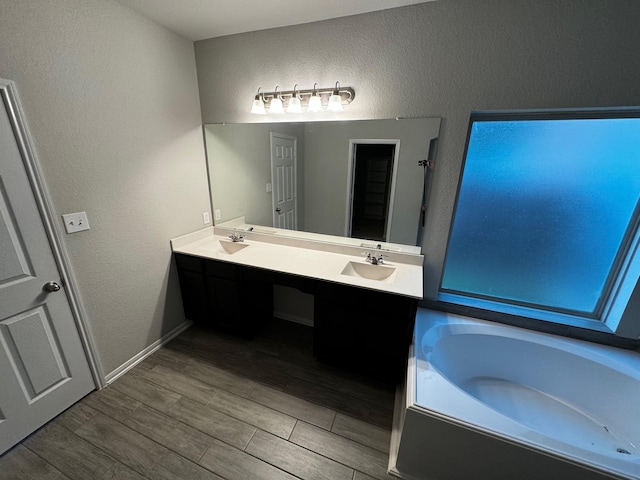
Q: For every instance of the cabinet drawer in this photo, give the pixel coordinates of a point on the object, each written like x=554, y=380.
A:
x=277, y=278
x=373, y=302
x=222, y=269
x=194, y=295
x=188, y=262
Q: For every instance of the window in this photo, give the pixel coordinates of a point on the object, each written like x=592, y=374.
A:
x=546, y=218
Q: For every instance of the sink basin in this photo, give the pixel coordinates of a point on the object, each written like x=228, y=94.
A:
x=232, y=247
x=368, y=271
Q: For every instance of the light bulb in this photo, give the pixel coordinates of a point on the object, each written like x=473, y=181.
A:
x=294, y=105
x=335, y=102
x=258, y=104
x=258, y=107
x=276, y=106
x=315, y=104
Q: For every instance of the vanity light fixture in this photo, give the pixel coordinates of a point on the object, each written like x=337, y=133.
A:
x=276, y=105
x=258, y=104
x=295, y=105
x=296, y=100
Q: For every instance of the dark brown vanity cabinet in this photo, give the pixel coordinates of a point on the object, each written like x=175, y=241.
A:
x=192, y=287
x=366, y=330
x=223, y=295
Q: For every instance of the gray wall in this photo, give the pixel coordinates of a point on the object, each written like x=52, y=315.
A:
x=440, y=59
x=112, y=102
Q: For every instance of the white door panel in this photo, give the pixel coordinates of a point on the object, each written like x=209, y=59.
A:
x=283, y=173
x=24, y=333
x=43, y=366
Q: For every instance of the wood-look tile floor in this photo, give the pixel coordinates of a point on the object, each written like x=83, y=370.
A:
x=213, y=406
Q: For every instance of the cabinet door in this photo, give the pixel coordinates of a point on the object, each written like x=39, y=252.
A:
x=225, y=295
x=386, y=321
x=256, y=297
x=194, y=296
x=192, y=287
x=239, y=301
x=362, y=329
x=224, y=302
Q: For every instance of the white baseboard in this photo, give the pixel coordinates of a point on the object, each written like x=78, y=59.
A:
x=294, y=318
x=132, y=362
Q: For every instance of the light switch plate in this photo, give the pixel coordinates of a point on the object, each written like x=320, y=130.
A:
x=76, y=222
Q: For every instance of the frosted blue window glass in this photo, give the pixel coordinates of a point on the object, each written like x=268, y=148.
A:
x=543, y=211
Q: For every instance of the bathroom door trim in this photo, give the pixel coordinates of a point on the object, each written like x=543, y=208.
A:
x=42, y=198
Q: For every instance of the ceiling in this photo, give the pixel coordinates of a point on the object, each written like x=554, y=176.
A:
x=200, y=19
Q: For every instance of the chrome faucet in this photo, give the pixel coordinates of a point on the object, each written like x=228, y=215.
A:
x=236, y=238
x=373, y=260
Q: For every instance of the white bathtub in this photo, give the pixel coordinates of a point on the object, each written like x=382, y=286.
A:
x=489, y=401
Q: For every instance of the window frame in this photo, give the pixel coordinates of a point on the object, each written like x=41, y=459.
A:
x=616, y=317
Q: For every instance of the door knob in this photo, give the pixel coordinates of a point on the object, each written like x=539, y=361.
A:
x=51, y=287
x=278, y=210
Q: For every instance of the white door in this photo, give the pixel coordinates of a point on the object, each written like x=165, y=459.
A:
x=43, y=366
x=283, y=179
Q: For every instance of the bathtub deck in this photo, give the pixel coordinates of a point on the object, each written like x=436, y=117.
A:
x=485, y=400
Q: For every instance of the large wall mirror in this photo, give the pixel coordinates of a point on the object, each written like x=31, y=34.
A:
x=357, y=179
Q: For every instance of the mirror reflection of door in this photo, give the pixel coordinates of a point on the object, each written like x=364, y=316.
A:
x=372, y=186
x=283, y=179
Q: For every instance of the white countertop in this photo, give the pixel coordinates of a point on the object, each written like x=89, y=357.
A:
x=306, y=259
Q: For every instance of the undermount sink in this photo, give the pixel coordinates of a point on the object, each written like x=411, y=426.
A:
x=368, y=271
x=232, y=247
